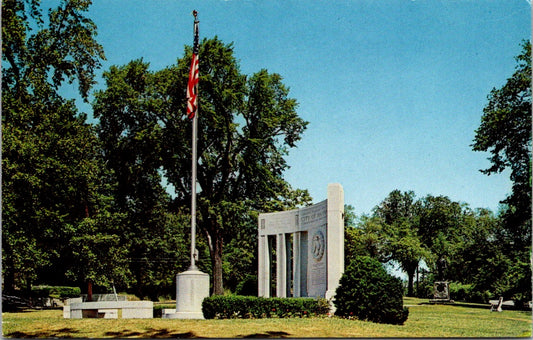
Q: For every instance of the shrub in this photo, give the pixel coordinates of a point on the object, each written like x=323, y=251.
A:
x=236, y=306
x=460, y=292
x=479, y=296
x=61, y=292
x=367, y=292
x=248, y=286
x=468, y=292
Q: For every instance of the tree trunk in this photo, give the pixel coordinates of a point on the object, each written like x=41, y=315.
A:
x=410, y=285
x=218, y=286
x=215, y=241
x=9, y=275
x=411, y=271
x=89, y=291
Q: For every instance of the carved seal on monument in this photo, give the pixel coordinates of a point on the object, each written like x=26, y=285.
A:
x=318, y=245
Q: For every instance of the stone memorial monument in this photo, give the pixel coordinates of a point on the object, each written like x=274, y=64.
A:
x=441, y=289
x=301, y=251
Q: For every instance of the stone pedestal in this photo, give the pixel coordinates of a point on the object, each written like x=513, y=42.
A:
x=441, y=293
x=192, y=286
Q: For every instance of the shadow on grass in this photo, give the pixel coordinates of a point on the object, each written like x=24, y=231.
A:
x=271, y=334
x=458, y=304
x=57, y=333
x=150, y=333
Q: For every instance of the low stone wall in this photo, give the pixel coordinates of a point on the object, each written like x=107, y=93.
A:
x=109, y=309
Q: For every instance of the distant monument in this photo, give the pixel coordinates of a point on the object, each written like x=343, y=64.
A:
x=306, y=246
x=441, y=289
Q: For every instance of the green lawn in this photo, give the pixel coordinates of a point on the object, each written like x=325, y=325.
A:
x=459, y=320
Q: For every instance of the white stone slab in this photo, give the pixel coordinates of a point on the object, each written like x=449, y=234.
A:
x=167, y=312
x=108, y=313
x=130, y=309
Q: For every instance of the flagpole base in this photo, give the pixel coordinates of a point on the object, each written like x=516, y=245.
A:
x=192, y=287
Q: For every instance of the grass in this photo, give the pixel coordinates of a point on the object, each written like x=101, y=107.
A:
x=459, y=320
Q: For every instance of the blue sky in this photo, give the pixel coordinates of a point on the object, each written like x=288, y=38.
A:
x=393, y=89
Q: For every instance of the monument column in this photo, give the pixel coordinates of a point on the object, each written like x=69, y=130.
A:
x=335, y=238
x=281, y=266
x=263, y=275
x=296, y=263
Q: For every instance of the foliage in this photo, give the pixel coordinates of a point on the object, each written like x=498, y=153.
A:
x=248, y=286
x=61, y=292
x=246, y=127
x=505, y=132
x=240, y=258
x=434, y=227
x=399, y=214
x=53, y=176
x=366, y=238
x=235, y=306
x=132, y=143
x=460, y=292
x=391, y=233
x=367, y=292
x=39, y=56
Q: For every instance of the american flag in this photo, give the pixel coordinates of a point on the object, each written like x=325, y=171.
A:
x=192, y=86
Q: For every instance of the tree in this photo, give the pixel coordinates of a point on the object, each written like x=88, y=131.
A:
x=246, y=127
x=52, y=175
x=364, y=238
x=132, y=139
x=398, y=214
x=505, y=132
x=475, y=243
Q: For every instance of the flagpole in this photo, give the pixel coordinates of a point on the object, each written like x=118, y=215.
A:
x=192, y=286
x=193, y=195
x=194, y=165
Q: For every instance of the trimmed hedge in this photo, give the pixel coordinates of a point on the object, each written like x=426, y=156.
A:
x=246, y=307
x=60, y=292
x=367, y=292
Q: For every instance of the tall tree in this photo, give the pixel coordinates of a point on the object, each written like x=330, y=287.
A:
x=398, y=214
x=505, y=132
x=131, y=133
x=246, y=127
x=50, y=161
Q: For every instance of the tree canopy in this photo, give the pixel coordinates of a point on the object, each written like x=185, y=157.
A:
x=505, y=132
x=51, y=169
x=109, y=203
x=246, y=127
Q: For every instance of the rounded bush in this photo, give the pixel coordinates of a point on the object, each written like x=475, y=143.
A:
x=368, y=292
